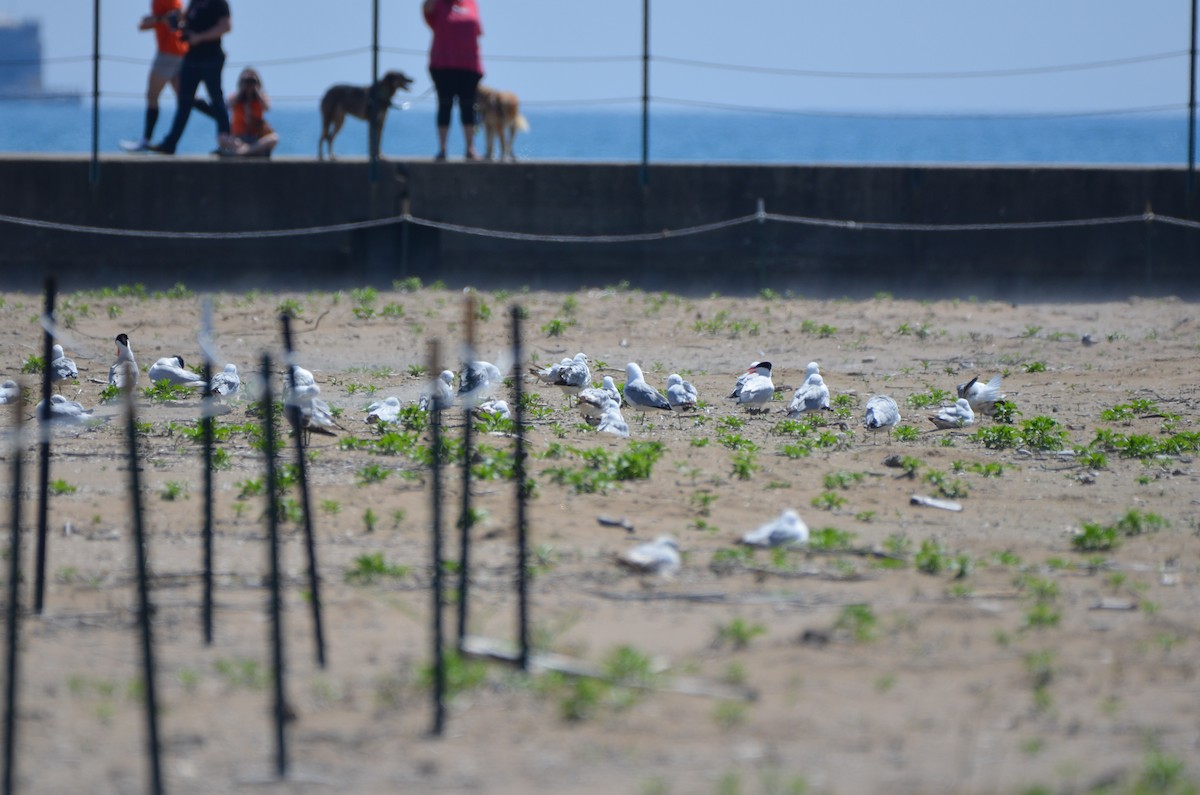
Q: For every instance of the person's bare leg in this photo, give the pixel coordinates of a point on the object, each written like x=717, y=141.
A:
x=469, y=135
x=443, y=134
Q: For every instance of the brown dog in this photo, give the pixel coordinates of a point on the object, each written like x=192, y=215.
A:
x=500, y=114
x=369, y=104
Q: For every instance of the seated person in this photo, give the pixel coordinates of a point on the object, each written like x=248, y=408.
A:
x=252, y=135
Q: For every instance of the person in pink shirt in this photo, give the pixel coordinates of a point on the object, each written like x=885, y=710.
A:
x=455, y=65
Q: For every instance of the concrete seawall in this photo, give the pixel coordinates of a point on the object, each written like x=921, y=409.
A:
x=587, y=199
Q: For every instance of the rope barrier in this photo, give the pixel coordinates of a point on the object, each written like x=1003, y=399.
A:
x=756, y=217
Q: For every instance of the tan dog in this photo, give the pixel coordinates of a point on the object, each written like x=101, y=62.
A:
x=359, y=101
x=500, y=114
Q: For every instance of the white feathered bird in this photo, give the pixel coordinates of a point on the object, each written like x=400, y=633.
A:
x=172, y=370
x=591, y=401
x=982, y=397
x=787, y=528
x=660, y=556
x=882, y=414
x=959, y=415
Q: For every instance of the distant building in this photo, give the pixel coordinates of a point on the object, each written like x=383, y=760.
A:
x=21, y=63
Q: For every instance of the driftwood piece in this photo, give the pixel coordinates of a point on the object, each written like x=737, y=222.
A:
x=933, y=502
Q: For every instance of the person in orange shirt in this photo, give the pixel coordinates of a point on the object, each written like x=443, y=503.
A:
x=252, y=135
x=164, y=20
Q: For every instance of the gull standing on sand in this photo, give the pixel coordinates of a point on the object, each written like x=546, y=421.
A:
x=227, y=382
x=882, y=414
x=756, y=390
x=439, y=393
x=959, y=415
x=751, y=371
x=787, y=528
x=813, y=395
x=62, y=368
x=123, y=374
x=477, y=380
x=171, y=369
x=592, y=400
x=660, y=556
x=682, y=395
x=574, y=375
x=640, y=395
x=982, y=397
x=611, y=420
x=386, y=410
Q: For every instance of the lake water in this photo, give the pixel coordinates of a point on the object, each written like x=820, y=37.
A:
x=675, y=136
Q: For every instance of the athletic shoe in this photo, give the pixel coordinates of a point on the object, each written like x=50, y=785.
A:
x=134, y=146
x=160, y=149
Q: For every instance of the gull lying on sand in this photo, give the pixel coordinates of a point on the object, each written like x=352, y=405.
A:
x=494, y=408
x=65, y=411
x=957, y=416
x=611, y=420
x=477, y=380
x=386, y=410
x=171, y=369
x=591, y=401
x=660, y=556
x=787, y=528
x=9, y=391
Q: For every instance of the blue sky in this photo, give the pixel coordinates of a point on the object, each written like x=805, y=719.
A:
x=574, y=53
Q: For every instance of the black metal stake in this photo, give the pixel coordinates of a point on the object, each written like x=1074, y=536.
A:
x=310, y=544
x=522, y=495
x=145, y=608
x=466, y=517
x=39, y=577
x=275, y=605
x=206, y=426
x=439, y=658
x=14, y=606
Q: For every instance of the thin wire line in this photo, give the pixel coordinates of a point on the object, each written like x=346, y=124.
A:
x=663, y=234
x=1011, y=72
x=691, y=103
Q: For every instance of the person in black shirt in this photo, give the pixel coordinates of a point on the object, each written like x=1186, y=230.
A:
x=204, y=23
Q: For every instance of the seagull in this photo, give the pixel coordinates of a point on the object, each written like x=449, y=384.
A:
x=62, y=368
x=787, y=528
x=752, y=370
x=227, y=382
x=171, y=369
x=306, y=385
x=813, y=395
x=755, y=392
x=549, y=374
x=882, y=414
x=611, y=420
x=438, y=394
x=63, y=410
x=982, y=397
x=591, y=400
x=640, y=395
x=957, y=416
x=9, y=391
x=317, y=417
x=681, y=394
x=477, y=380
x=123, y=374
x=660, y=556
x=386, y=410
x=494, y=408
x=573, y=375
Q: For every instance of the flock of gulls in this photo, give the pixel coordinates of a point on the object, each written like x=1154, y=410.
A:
x=599, y=405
